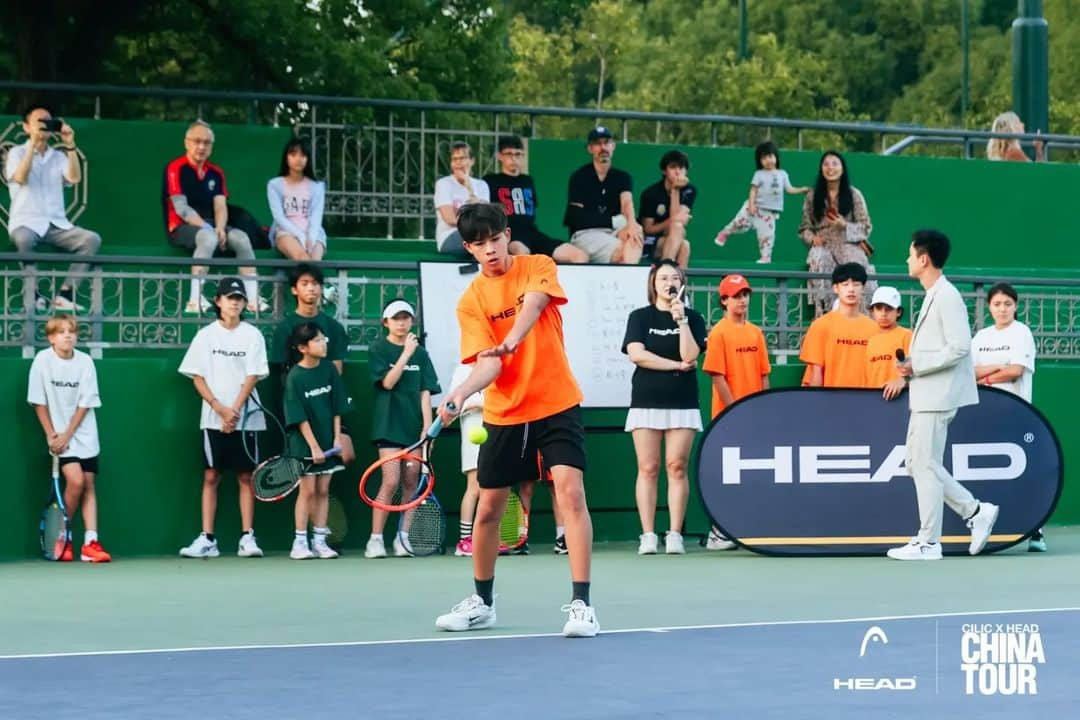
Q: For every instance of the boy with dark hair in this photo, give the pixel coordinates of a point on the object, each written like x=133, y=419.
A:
x=835, y=344
x=511, y=332
x=306, y=283
x=225, y=361
x=63, y=390
x=516, y=192
x=665, y=210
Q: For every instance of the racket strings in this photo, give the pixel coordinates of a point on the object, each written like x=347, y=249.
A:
x=424, y=524
x=54, y=532
x=513, y=528
x=276, y=476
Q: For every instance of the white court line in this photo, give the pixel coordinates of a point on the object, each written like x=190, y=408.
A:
x=464, y=637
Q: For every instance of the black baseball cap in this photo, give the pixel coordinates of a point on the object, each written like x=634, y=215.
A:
x=230, y=286
x=599, y=133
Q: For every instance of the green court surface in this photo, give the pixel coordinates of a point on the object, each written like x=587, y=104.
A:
x=170, y=603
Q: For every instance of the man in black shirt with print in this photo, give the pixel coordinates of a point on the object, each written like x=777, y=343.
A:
x=665, y=210
x=600, y=206
x=516, y=192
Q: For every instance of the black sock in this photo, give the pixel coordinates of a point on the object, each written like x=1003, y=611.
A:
x=581, y=591
x=484, y=589
x=209, y=536
x=972, y=514
x=67, y=293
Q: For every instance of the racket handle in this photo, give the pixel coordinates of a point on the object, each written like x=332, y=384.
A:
x=332, y=452
x=436, y=426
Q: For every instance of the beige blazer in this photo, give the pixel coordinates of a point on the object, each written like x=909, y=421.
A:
x=943, y=375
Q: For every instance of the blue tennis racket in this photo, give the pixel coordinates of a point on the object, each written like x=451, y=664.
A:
x=422, y=528
x=54, y=520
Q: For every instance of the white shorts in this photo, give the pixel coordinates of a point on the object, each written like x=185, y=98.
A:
x=470, y=454
x=320, y=236
x=599, y=243
x=661, y=419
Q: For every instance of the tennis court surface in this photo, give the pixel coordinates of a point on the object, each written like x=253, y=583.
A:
x=703, y=635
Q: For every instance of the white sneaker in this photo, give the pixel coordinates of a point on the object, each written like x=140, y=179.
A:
x=322, y=550
x=981, y=524
x=717, y=541
x=200, y=547
x=582, y=621
x=648, y=544
x=197, y=307
x=916, y=550
x=62, y=304
x=260, y=306
x=300, y=549
x=330, y=294
x=376, y=548
x=248, y=547
x=673, y=543
x=469, y=614
x=402, y=548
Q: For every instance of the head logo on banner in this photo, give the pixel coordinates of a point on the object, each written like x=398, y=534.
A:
x=815, y=471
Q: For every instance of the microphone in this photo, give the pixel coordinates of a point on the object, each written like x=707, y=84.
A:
x=900, y=357
x=672, y=291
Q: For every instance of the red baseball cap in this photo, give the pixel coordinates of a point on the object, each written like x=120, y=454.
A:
x=732, y=285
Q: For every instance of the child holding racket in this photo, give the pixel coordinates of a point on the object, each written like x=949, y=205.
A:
x=224, y=361
x=404, y=380
x=314, y=399
x=511, y=333
x=64, y=392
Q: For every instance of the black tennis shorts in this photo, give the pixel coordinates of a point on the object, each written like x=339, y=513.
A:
x=88, y=465
x=225, y=451
x=509, y=455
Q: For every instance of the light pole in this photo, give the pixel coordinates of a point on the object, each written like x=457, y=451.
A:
x=1031, y=62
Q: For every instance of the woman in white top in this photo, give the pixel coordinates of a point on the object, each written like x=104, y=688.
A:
x=1004, y=357
x=296, y=201
x=451, y=193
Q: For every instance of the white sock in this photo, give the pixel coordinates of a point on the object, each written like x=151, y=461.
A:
x=196, y=289
x=375, y=536
x=560, y=531
x=301, y=535
x=320, y=534
x=252, y=291
x=91, y=536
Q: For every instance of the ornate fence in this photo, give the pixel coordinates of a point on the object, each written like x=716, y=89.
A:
x=138, y=303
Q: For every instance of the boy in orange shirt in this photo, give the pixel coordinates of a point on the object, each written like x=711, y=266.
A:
x=738, y=361
x=512, y=335
x=736, y=355
x=886, y=307
x=835, y=344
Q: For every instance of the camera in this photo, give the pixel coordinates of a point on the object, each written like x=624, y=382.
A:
x=52, y=125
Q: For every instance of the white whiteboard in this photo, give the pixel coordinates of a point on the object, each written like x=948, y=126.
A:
x=594, y=322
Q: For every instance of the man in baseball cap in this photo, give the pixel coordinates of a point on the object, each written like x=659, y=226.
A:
x=600, y=206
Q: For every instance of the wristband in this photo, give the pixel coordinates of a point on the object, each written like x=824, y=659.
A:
x=684, y=321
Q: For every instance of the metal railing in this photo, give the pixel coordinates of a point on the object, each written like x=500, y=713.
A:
x=137, y=303
x=380, y=157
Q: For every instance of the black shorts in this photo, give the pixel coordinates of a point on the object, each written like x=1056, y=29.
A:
x=225, y=451
x=540, y=244
x=510, y=454
x=88, y=465
x=381, y=444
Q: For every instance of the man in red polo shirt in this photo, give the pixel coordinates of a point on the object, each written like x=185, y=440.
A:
x=194, y=202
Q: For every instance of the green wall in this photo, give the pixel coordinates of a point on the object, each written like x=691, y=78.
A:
x=999, y=215
x=126, y=161
x=150, y=477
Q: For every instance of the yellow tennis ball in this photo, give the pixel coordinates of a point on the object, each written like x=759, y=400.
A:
x=478, y=435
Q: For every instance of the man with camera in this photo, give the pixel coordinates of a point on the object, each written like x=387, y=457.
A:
x=36, y=173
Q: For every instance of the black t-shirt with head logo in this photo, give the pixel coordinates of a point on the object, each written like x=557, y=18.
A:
x=659, y=333
x=655, y=203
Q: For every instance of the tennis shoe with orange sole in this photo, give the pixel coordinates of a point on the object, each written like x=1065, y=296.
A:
x=67, y=555
x=469, y=614
x=92, y=552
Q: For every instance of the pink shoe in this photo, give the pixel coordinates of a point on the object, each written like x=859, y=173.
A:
x=721, y=238
x=464, y=547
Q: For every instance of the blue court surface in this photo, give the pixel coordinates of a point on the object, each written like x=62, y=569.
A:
x=744, y=637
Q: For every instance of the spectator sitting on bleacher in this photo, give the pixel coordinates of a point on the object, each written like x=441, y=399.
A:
x=1009, y=149
x=600, y=206
x=451, y=193
x=516, y=192
x=36, y=175
x=665, y=210
x=193, y=198
x=296, y=202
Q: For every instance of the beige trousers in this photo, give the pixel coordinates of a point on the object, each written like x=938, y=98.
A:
x=926, y=436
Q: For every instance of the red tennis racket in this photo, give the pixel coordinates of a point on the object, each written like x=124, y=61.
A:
x=399, y=493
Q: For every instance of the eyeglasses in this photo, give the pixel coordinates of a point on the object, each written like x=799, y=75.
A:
x=199, y=141
x=513, y=153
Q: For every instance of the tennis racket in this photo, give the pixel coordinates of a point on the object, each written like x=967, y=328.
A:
x=422, y=530
x=54, y=520
x=400, y=498
x=514, y=526
x=279, y=476
x=249, y=437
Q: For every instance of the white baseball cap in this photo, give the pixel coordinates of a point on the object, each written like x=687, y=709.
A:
x=886, y=295
x=397, y=306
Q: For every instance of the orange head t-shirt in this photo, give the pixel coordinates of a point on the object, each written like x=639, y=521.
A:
x=838, y=344
x=535, y=381
x=737, y=352
x=881, y=355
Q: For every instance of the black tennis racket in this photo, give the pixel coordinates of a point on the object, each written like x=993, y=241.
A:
x=277, y=477
x=54, y=520
x=422, y=529
x=249, y=438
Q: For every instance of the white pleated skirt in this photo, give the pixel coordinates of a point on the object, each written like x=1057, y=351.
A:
x=661, y=419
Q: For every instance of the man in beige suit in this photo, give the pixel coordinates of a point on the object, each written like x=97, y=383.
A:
x=941, y=380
